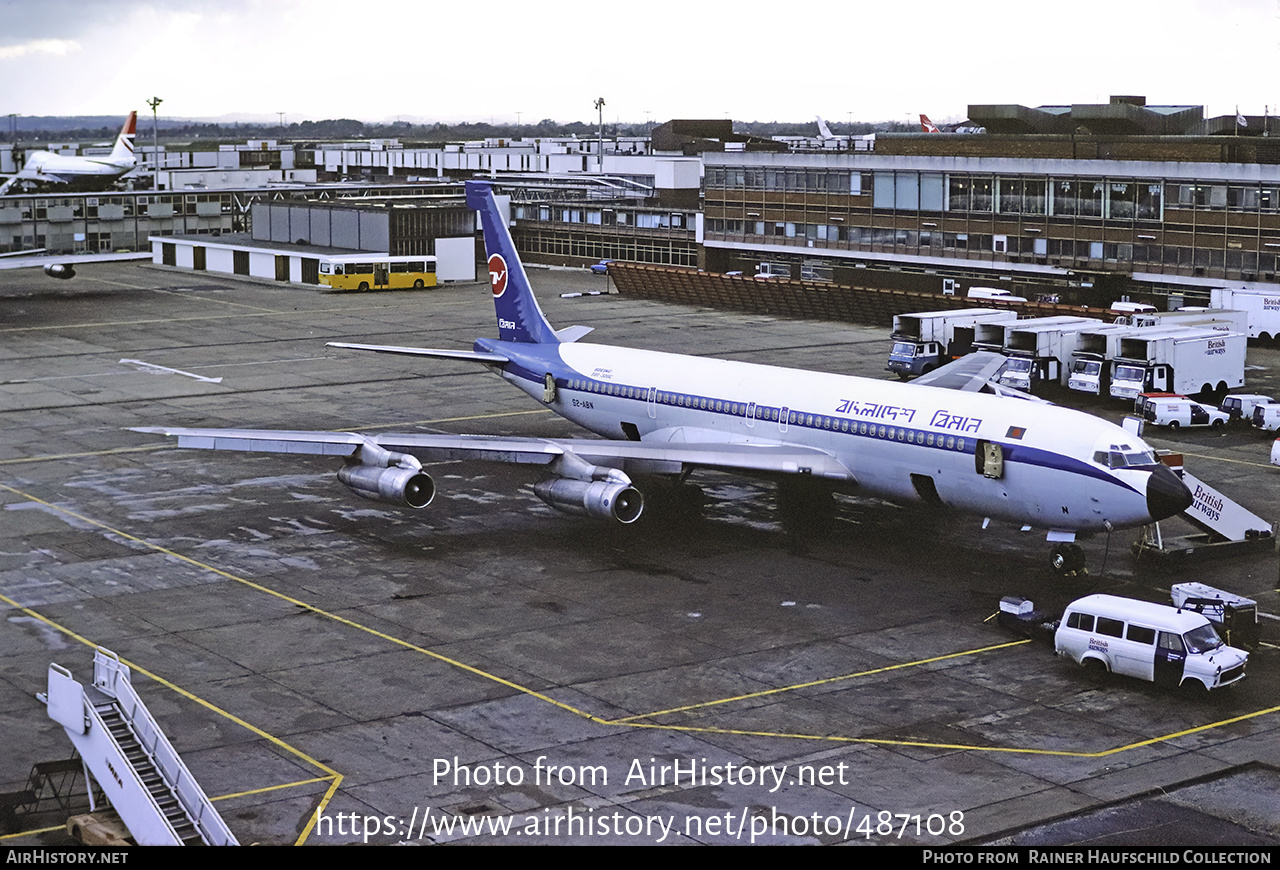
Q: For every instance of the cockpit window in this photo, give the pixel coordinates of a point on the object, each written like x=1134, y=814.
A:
x=1124, y=456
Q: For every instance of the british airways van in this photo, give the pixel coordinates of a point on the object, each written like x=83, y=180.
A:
x=1149, y=641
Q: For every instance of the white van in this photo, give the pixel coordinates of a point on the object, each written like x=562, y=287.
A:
x=994, y=293
x=1267, y=417
x=1183, y=412
x=1240, y=406
x=1149, y=641
x=1126, y=307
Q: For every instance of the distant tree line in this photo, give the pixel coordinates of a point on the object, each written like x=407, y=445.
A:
x=100, y=128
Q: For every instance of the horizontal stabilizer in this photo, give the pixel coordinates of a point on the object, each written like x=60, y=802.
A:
x=573, y=333
x=492, y=359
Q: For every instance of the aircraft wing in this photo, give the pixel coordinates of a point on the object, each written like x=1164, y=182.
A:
x=969, y=373
x=974, y=373
x=46, y=261
x=654, y=457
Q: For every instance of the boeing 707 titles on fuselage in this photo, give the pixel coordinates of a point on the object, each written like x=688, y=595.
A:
x=948, y=439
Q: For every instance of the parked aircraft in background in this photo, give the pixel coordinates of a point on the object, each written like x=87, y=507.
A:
x=948, y=440
x=927, y=126
x=49, y=168
x=831, y=140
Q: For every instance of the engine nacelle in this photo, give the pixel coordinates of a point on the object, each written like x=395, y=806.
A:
x=60, y=270
x=408, y=487
x=602, y=499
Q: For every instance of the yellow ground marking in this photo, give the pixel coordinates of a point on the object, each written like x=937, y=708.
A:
x=924, y=744
x=49, y=457
x=629, y=721
x=32, y=832
x=823, y=682
x=267, y=788
x=1225, y=459
x=304, y=605
x=332, y=775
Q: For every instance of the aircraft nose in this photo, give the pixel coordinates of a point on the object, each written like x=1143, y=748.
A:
x=1166, y=494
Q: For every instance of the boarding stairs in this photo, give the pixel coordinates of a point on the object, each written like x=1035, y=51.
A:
x=132, y=761
x=1227, y=524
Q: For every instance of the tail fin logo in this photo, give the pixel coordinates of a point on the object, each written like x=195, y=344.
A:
x=498, y=274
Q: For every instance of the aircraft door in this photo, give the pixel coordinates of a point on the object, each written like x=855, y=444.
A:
x=988, y=459
x=652, y=403
x=1171, y=659
x=751, y=415
x=782, y=420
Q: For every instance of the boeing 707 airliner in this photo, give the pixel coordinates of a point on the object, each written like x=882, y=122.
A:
x=949, y=439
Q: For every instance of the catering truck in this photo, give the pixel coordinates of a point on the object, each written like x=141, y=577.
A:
x=1261, y=308
x=1091, y=360
x=1220, y=319
x=928, y=339
x=1040, y=352
x=1187, y=360
x=995, y=336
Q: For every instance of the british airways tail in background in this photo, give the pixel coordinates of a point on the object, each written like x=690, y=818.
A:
x=946, y=440
x=48, y=168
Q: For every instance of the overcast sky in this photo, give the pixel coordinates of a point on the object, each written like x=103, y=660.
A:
x=452, y=60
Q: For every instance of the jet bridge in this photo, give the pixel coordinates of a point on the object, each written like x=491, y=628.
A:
x=130, y=758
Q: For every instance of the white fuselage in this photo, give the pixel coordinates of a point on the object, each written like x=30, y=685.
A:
x=899, y=441
x=58, y=167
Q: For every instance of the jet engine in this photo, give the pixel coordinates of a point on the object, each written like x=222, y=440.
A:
x=394, y=478
x=590, y=490
x=602, y=499
x=60, y=270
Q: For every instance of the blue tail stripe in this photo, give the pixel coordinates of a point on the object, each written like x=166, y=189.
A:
x=519, y=317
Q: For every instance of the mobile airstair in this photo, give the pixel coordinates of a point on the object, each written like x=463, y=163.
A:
x=132, y=761
x=1228, y=526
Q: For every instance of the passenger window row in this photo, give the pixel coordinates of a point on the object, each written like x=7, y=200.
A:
x=762, y=412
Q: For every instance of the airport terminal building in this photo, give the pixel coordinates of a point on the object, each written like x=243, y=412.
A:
x=1127, y=208
x=1080, y=201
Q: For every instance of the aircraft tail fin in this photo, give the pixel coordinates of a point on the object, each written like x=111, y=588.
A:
x=519, y=317
x=122, y=153
x=927, y=126
x=823, y=130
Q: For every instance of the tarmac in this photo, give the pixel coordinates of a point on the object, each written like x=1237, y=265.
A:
x=488, y=670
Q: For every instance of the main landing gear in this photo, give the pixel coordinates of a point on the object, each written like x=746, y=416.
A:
x=1067, y=559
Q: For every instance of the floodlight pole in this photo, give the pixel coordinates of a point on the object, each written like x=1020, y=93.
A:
x=600, y=142
x=154, y=103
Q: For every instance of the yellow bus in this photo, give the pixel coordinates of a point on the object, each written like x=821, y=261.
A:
x=377, y=272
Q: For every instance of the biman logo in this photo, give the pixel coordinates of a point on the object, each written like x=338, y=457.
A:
x=498, y=274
